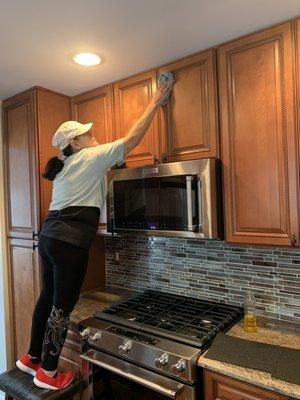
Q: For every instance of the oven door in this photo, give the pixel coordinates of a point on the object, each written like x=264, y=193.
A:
x=117, y=379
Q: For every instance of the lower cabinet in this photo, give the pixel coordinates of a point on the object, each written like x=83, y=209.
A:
x=24, y=290
x=95, y=275
x=25, y=286
x=220, y=387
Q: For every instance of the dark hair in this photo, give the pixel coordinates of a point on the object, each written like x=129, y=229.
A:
x=55, y=165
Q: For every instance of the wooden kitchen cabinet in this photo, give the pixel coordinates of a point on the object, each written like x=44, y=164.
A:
x=220, y=387
x=24, y=276
x=29, y=122
x=297, y=57
x=260, y=175
x=189, y=121
x=96, y=106
x=52, y=110
x=21, y=160
x=188, y=126
x=24, y=289
x=95, y=276
x=131, y=98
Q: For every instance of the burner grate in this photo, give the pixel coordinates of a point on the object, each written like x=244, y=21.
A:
x=167, y=314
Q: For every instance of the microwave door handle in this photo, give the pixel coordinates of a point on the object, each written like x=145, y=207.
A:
x=200, y=199
x=189, y=204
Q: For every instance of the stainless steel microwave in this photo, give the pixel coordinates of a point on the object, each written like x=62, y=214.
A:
x=174, y=199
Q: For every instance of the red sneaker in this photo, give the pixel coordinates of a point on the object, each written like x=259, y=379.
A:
x=59, y=381
x=25, y=365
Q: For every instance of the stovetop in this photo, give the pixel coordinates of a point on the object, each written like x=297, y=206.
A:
x=191, y=321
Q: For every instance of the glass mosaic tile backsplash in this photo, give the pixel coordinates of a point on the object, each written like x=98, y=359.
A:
x=208, y=269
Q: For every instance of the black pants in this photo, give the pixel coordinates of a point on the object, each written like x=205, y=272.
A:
x=63, y=269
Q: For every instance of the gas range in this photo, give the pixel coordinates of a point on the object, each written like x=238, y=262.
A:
x=157, y=334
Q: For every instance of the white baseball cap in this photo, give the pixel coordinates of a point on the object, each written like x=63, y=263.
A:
x=68, y=131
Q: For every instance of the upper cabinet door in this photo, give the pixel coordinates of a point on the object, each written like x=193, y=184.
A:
x=53, y=109
x=297, y=44
x=258, y=138
x=20, y=165
x=189, y=128
x=132, y=96
x=96, y=106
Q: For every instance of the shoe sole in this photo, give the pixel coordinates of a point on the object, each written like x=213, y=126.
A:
x=44, y=385
x=24, y=368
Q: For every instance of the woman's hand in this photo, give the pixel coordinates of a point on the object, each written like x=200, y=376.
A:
x=162, y=93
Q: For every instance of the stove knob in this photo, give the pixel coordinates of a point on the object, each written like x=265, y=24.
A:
x=96, y=337
x=85, y=333
x=179, y=367
x=162, y=360
x=125, y=347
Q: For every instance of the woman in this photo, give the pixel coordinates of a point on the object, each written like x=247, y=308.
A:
x=78, y=194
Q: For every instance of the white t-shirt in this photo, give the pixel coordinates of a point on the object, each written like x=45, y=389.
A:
x=82, y=181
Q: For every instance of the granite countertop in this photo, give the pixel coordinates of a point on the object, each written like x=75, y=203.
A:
x=275, y=333
x=97, y=300
x=271, y=332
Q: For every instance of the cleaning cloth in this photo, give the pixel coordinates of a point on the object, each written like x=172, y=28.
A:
x=165, y=77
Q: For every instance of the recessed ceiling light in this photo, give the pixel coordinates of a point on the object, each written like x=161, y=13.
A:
x=87, y=59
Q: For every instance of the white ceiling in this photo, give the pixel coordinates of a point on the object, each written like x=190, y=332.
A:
x=38, y=37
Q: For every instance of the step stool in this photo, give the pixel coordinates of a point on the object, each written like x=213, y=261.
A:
x=19, y=386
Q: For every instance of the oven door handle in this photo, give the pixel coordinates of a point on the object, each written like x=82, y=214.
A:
x=151, y=380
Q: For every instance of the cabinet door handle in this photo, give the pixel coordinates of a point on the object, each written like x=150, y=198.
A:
x=35, y=234
x=200, y=199
x=189, y=204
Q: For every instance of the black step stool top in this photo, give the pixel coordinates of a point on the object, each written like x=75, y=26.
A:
x=20, y=386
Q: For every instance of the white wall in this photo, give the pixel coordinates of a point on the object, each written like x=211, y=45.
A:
x=3, y=357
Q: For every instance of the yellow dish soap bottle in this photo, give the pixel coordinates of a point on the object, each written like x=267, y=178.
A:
x=250, y=325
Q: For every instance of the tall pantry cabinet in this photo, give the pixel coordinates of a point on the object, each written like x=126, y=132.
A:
x=29, y=120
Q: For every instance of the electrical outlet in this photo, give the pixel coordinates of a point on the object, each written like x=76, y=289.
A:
x=117, y=256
